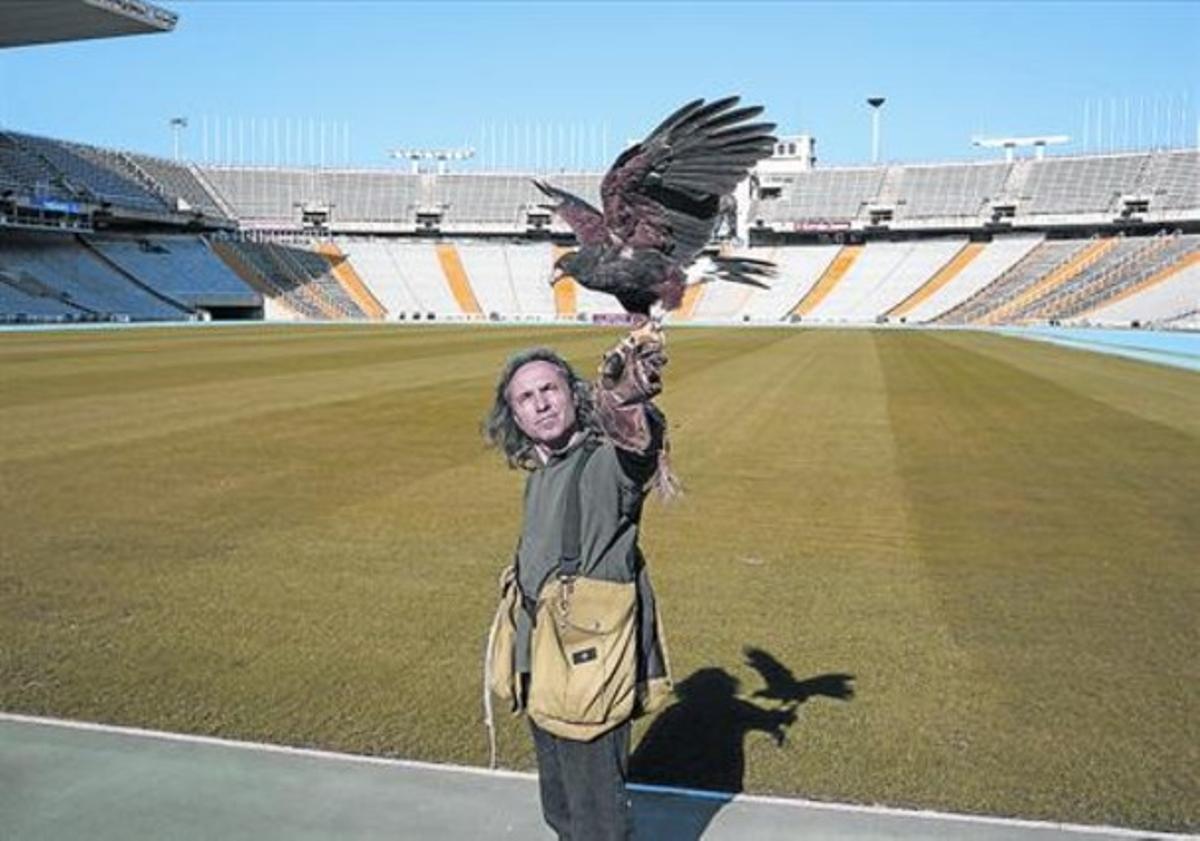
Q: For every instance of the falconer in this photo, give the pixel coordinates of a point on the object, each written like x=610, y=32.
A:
x=605, y=444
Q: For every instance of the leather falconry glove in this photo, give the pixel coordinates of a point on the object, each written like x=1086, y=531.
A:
x=632, y=371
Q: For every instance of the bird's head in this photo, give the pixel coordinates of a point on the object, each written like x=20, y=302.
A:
x=576, y=264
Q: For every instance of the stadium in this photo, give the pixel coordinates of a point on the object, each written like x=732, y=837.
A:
x=951, y=454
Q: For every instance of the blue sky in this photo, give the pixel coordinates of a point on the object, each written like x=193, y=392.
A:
x=578, y=79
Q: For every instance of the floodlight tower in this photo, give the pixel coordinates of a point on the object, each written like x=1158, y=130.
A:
x=178, y=124
x=876, y=102
x=442, y=156
x=1010, y=144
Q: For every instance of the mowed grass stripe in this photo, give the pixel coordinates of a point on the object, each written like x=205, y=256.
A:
x=161, y=363
x=110, y=417
x=1060, y=534
x=1158, y=393
x=794, y=538
x=309, y=558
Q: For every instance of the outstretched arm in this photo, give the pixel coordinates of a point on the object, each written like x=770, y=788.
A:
x=630, y=378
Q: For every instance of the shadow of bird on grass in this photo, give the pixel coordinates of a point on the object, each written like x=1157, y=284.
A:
x=783, y=686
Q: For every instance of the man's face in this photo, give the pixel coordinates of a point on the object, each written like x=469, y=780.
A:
x=541, y=402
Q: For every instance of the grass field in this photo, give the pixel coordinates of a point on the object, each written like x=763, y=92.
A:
x=292, y=535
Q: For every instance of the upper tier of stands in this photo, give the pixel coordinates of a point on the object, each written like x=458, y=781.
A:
x=383, y=200
x=1162, y=186
x=900, y=196
x=91, y=173
x=971, y=194
x=35, y=168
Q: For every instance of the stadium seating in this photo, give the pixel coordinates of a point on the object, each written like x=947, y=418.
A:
x=350, y=280
x=23, y=298
x=1175, y=302
x=491, y=277
x=994, y=260
x=181, y=267
x=25, y=172
x=364, y=196
x=1079, y=185
x=176, y=181
x=1042, y=300
x=264, y=195
x=956, y=190
x=885, y=274
x=418, y=263
x=74, y=273
x=837, y=269
x=485, y=199
x=825, y=195
x=270, y=195
x=326, y=244
x=1172, y=179
x=1098, y=252
x=530, y=267
x=939, y=279
x=1148, y=263
x=1047, y=257
x=456, y=277
x=94, y=173
x=798, y=269
x=268, y=268
x=377, y=267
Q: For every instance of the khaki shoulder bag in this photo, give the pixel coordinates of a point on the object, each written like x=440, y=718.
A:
x=583, y=655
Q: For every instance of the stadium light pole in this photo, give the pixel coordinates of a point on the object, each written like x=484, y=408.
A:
x=876, y=102
x=442, y=156
x=178, y=124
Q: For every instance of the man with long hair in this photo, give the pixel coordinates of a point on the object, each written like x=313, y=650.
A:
x=545, y=419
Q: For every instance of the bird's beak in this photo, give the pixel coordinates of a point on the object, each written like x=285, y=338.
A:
x=558, y=275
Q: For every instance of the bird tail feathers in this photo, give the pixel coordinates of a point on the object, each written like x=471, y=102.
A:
x=745, y=270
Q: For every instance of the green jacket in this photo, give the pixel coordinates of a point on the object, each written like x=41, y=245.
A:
x=612, y=489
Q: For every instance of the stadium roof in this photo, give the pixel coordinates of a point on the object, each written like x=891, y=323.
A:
x=24, y=22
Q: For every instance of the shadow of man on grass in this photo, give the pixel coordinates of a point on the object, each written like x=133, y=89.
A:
x=699, y=742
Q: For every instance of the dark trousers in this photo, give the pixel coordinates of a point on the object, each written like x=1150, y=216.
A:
x=583, y=785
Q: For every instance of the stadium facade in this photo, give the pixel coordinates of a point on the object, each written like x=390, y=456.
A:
x=88, y=233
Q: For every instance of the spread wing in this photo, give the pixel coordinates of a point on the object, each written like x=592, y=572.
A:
x=778, y=677
x=665, y=192
x=586, y=221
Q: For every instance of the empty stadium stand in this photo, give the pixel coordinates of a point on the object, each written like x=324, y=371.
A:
x=376, y=265
x=1049, y=257
x=1168, y=298
x=184, y=268
x=300, y=280
x=996, y=258
x=963, y=190
x=1139, y=267
x=965, y=256
x=350, y=280
x=1028, y=241
x=837, y=269
x=1149, y=186
x=798, y=270
x=68, y=270
x=178, y=184
x=93, y=173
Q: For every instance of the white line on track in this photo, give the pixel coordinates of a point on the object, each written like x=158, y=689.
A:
x=725, y=797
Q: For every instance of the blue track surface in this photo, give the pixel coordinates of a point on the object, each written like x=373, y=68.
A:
x=1181, y=349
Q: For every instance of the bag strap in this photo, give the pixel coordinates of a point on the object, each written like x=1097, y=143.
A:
x=568, y=559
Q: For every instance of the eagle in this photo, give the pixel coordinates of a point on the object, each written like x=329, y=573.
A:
x=662, y=199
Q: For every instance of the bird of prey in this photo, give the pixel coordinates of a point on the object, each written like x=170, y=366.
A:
x=661, y=200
